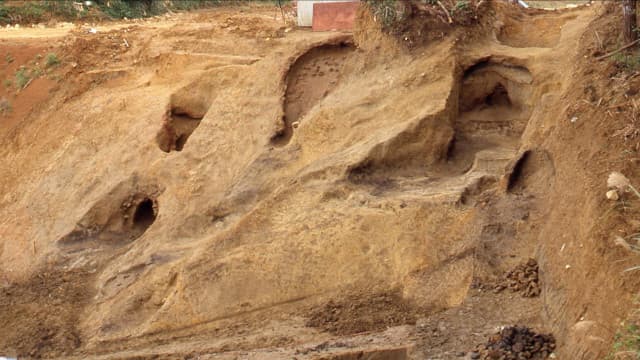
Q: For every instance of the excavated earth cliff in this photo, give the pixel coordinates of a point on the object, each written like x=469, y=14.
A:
x=219, y=186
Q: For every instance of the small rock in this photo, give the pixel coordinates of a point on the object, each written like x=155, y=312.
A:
x=613, y=195
x=474, y=355
x=461, y=354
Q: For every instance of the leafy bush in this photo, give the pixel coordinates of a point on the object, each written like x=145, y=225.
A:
x=40, y=11
x=120, y=9
x=62, y=9
x=194, y=4
x=4, y=14
x=35, y=12
x=30, y=13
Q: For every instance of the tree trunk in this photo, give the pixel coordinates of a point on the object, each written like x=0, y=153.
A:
x=630, y=22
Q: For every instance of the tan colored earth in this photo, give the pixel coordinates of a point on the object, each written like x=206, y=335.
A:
x=220, y=185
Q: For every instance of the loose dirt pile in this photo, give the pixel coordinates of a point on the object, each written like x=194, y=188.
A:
x=515, y=343
x=522, y=279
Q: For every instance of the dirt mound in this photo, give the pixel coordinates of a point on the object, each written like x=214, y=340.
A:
x=356, y=314
x=522, y=279
x=515, y=343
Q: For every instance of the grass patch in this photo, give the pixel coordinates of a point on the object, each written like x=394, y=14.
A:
x=627, y=61
x=51, y=60
x=7, y=83
x=8, y=58
x=626, y=343
x=22, y=78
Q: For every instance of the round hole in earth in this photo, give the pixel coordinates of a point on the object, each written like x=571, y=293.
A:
x=145, y=214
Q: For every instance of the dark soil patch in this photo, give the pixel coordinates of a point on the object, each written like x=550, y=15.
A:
x=515, y=343
x=523, y=279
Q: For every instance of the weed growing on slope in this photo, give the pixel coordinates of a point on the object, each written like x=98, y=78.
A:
x=626, y=343
x=22, y=78
x=51, y=60
x=627, y=61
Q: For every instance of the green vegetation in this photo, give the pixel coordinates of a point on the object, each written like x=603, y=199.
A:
x=51, y=60
x=626, y=343
x=461, y=5
x=41, y=11
x=7, y=83
x=628, y=61
x=195, y=4
x=22, y=78
x=389, y=12
x=8, y=58
x=119, y=9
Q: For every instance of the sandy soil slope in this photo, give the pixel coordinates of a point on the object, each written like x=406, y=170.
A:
x=217, y=185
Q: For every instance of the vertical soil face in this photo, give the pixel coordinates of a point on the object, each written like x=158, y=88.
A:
x=176, y=129
x=310, y=79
